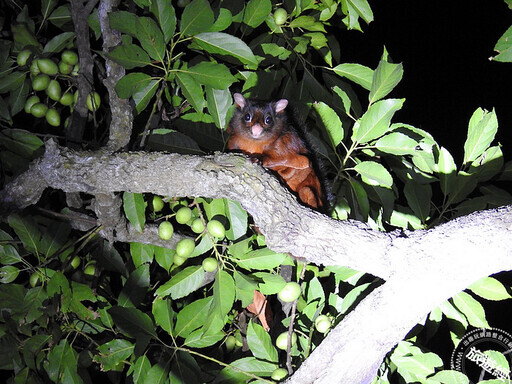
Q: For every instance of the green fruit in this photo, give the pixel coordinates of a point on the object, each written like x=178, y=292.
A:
x=34, y=69
x=52, y=117
x=90, y=268
x=183, y=215
x=53, y=90
x=238, y=338
x=158, y=204
x=69, y=57
x=75, y=96
x=30, y=102
x=279, y=374
x=65, y=68
x=280, y=16
x=165, y=230
x=93, y=101
x=66, y=99
x=75, y=262
x=323, y=323
x=282, y=340
x=38, y=109
x=34, y=279
x=40, y=82
x=183, y=3
x=197, y=226
x=23, y=56
x=210, y=264
x=290, y=292
x=216, y=229
x=185, y=247
x=178, y=260
x=48, y=66
x=230, y=343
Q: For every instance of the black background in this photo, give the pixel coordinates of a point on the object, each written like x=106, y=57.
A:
x=444, y=46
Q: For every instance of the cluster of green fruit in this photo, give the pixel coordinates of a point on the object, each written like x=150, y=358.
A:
x=185, y=247
x=45, y=74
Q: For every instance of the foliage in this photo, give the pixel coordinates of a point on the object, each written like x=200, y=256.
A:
x=153, y=313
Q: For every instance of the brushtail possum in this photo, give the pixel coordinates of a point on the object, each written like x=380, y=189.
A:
x=263, y=131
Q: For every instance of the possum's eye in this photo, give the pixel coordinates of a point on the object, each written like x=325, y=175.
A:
x=247, y=117
x=268, y=120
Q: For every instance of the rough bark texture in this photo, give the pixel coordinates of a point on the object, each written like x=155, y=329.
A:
x=411, y=263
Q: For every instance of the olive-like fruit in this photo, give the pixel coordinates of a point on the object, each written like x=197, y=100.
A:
x=210, y=264
x=90, y=268
x=230, y=343
x=40, y=82
x=23, y=56
x=216, y=229
x=34, y=68
x=47, y=66
x=54, y=90
x=165, y=230
x=183, y=215
x=197, y=226
x=282, y=340
x=65, y=68
x=158, y=204
x=69, y=57
x=178, y=260
x=279, y=374
x=290, y=292
x=34, y=99
x=322, y=323
x=185, y=247
x=75, y=262
x=52, y=117
x=66, y=99
x=280, y=16
x=93, y=101
x=39, y=109
x=34, y=279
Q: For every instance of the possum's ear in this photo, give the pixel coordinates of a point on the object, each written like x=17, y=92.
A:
x=281, y=105
x=239, y=100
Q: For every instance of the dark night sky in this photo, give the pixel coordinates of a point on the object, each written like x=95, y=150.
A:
x=444, y=46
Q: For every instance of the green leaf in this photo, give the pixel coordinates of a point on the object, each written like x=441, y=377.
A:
x=143, y=95
x=18, y=97
x=27, y=231
x=362, y=8
x=419, y=198
x=54, y=238
x=134, y=208
x=150, y=37
x=256, y=12
x=62, y=363
x=331, y=122
x=357, y=73
x=61, y=16
x=8, y=274
x=213, y=74
x=197, y=17
x=135, y=288
x=275, y=50
x=198, y=339
x=218, y=102
x=183, y=283
x=482, y=128
x=238, y=219
x=489, y=288
x=375, y=174
x=20, y=142
x=166, y=16
x=260, y=343
x=223, y=293
x=421, y=365
x=261, y=259
x=311, y=24
x=224, y=20
x=192, y=90
x=132, y=322
x=164, y=257
x=114, y=352
x=375, y=122
x=163, y=314
x=12, y=81
x=157, y=374
x=59, y=42
x=226, y=45
x=488, y=164
x=397, y=143
x=129, y=56
x=447, y=171
x=360, y=198
x=140, y=369
x=271, y=284
x=192, y=316
x=385, y=78
x=472, y=309
x=131, y=83
x=247, y=364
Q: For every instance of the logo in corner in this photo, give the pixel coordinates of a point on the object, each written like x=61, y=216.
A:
x=484, y=354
